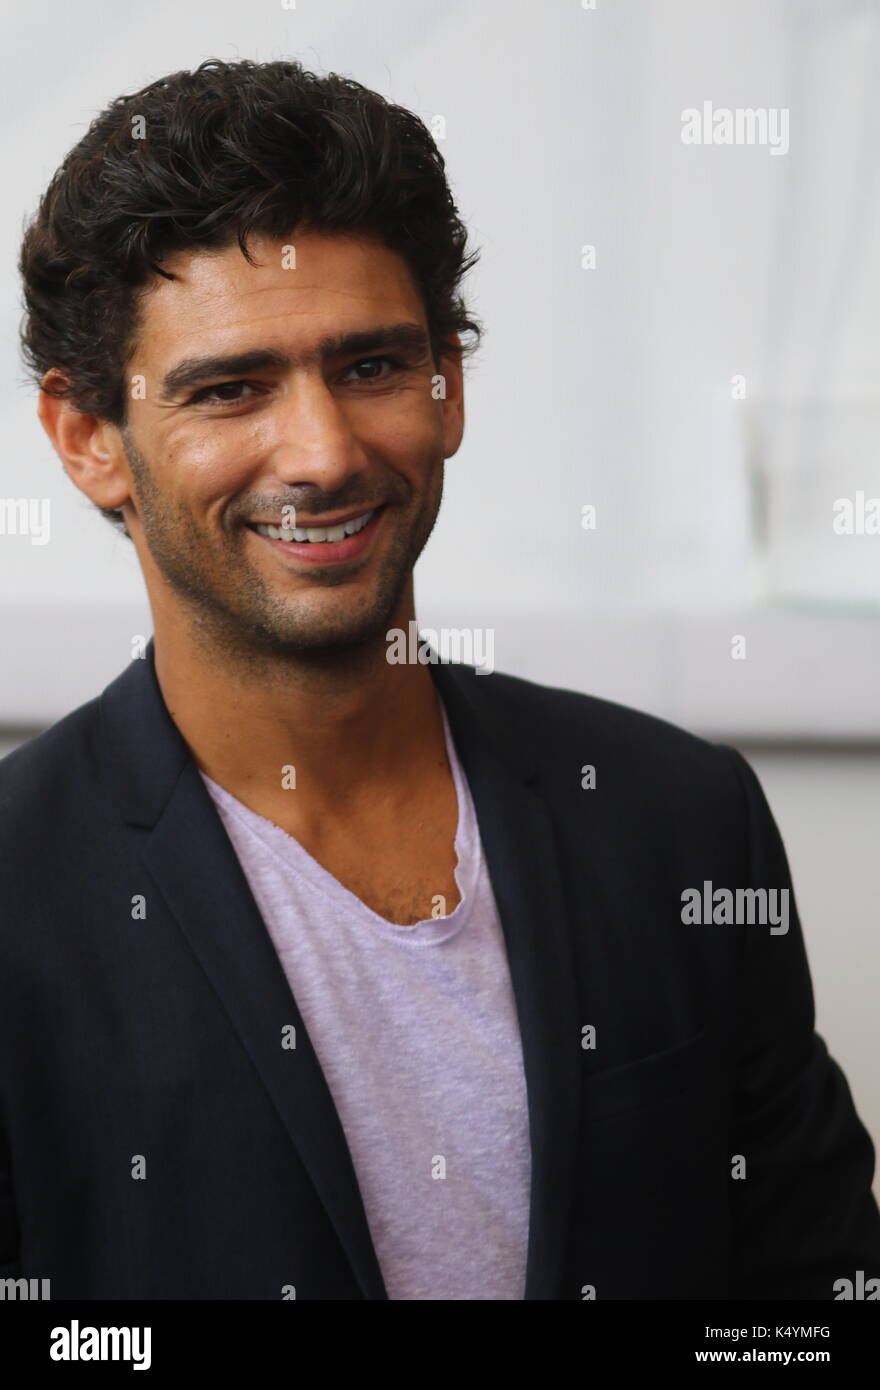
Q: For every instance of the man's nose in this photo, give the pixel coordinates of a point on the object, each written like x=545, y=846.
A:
x=312, y=438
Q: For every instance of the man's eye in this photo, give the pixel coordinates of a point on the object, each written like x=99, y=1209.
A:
x=371, y=362
x=230, y=392
x=224, y=392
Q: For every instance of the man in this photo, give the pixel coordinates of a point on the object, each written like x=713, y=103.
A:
x=327, y=976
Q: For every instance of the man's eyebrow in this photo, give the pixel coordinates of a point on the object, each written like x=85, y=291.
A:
x=192, y=371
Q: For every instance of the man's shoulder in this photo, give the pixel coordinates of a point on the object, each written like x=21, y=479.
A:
x=51, y=771
x=554, y=718
x=42, y=774
x=653, y=781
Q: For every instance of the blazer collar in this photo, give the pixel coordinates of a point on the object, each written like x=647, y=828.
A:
x=147, y=753
x=157, y=785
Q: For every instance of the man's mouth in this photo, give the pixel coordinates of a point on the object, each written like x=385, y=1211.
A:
x=322, y=545
x=316, y=535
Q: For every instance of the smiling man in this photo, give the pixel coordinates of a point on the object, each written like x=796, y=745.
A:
x=279, y=487
x=328, y=976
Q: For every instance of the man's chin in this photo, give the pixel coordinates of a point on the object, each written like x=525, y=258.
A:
x=258, y=617
x=312, y=634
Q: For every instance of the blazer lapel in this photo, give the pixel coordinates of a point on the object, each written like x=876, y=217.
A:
x=523, y=865
x=198, y=874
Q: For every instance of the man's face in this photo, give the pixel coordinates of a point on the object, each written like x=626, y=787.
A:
x=307, y=433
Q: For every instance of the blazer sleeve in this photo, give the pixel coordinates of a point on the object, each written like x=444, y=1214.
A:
x=9, y=1233
x=804, y=1216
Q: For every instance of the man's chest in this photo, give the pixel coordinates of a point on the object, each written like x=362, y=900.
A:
x=399, y=863
x=406, y=874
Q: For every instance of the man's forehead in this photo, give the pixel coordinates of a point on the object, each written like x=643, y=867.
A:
x=312, y=261
x=308, y=280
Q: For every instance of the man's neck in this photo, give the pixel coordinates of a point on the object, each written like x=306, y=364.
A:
x=353, y=726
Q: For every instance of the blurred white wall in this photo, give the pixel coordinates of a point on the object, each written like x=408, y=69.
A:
x=609, y=386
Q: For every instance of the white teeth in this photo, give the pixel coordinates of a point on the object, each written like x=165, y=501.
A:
x=356, y=524
x=316, y=533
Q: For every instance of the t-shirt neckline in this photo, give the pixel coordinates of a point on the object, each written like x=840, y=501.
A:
x=283, y=846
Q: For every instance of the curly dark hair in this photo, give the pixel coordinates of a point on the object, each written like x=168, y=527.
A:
x=204, y=158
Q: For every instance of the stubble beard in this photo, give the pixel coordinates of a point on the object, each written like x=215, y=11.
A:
x=244, y=618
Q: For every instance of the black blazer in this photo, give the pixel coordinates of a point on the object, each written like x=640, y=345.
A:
x=160, y=1035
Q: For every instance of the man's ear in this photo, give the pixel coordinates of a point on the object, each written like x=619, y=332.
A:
x=452, y=401
x=89, y=448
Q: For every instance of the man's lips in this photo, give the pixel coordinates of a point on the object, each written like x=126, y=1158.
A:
x=326, y=552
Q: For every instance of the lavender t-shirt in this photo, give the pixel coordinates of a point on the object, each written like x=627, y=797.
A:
x=416, y=1032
